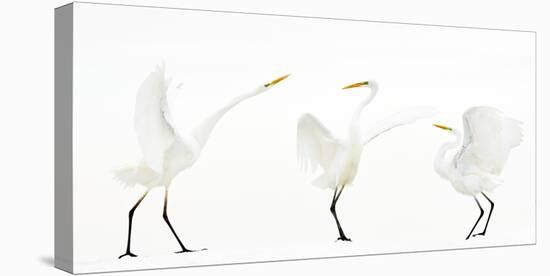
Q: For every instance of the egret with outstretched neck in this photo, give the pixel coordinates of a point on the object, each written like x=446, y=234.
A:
x=165, y=151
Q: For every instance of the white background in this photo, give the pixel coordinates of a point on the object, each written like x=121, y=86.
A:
x=245, y=199
x=28, y=85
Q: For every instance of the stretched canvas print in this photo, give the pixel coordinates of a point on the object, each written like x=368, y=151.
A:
x=196, y=137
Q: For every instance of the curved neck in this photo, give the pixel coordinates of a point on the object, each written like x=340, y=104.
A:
x=442, y=165
x=355, y=126
x=202, y=132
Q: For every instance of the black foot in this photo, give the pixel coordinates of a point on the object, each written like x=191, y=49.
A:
x=475, y=235
x=188, y=250
x=343, y=239
x=127, y=254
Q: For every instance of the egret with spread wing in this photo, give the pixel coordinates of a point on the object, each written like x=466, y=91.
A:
x=339, y=158
x=481, y=154
x=165, y=151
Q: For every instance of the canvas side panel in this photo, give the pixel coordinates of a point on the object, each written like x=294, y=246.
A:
x=63, y=138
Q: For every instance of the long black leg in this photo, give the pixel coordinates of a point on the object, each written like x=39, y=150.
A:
x=488, y=217
x=335, y=198
x=479, y=218
x=130, y=217
x=165, y=216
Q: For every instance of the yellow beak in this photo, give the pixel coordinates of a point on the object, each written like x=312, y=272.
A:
x=443, y=127
x=277, y=80
x=358, y=84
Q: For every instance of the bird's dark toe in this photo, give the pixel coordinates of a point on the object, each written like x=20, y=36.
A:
x=343, y=239
x=130, y=254
x=189, y=250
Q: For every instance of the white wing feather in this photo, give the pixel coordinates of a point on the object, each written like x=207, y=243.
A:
x=316, y=145
x=488, y=138
x=154, y=132
x=399, y=119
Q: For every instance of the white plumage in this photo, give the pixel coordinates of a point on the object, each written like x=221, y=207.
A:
x=318, y=148
x=481, y=154
x=141, y=174
x=165, y=151
x=401, y=118
x=339, y=159
x=488, y=138
x=154, y=132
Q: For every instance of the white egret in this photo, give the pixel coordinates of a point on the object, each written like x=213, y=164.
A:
x=339, y=158
x=481, y=154
x=165, y=151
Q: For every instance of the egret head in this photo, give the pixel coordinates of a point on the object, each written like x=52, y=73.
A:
x=373, y=85
x=275, y=81
x=446, y=128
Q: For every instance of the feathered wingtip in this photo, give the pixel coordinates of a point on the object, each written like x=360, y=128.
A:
x=513, y=131
x=161, y=66
x=315, y=144
x=161, y=70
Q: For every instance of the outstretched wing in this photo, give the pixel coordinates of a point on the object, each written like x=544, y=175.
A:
x=488, y=138
x=316, y=146
x=154, y=132
x=399, y=119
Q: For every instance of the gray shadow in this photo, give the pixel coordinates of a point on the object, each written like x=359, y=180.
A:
x=47, y=260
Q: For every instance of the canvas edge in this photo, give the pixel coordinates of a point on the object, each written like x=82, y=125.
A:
x=63, y=248
x=64, y=62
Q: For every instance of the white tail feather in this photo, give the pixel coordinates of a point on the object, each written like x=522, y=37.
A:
x=132, y=175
